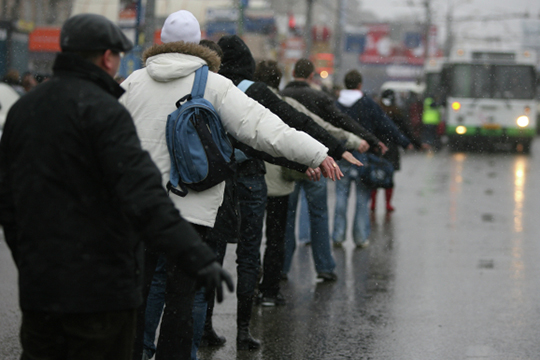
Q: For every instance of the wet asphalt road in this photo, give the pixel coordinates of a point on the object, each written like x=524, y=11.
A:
x=453, y=273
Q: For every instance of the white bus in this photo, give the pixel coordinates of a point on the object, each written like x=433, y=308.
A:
x=490, y=99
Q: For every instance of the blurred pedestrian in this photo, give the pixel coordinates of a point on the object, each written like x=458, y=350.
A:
x=28, y=81
x=78, y=197
x=366, y=111
x=13, y=79
x=388, y=104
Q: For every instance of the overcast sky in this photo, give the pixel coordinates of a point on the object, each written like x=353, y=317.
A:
x=508, y=30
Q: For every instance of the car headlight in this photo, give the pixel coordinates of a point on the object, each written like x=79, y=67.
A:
x=522, y=121
x=461, y=130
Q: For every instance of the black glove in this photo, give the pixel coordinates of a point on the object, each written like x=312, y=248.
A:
x=210, y=277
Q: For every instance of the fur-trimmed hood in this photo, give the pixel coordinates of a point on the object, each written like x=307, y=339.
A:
x=166, y=62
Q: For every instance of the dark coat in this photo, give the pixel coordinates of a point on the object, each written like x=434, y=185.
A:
x=323, y=105
x=237, y=64
x=373, y=118
x=78, y=196
x=396, y=115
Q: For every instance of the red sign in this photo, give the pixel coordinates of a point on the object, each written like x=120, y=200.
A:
x=381, y=49
x=44, y=40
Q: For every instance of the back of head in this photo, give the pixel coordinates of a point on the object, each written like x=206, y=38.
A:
x=237, y=62
x=92, y=32
x=12, y=77
x=212, y=46
x=303, y=69
x=181, y=26
x=388, y=97
x=268, y=72
x=352, y=79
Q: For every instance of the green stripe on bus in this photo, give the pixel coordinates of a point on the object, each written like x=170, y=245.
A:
x=451, y=130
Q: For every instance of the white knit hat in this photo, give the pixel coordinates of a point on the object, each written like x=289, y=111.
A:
x=181, y=26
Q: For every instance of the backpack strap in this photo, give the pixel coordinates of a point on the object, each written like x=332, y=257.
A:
x=245, y=84
x=199, y=84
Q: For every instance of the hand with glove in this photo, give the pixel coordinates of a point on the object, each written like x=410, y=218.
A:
x=211, y=276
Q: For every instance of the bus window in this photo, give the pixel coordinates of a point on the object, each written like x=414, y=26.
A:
x=471, y=81
x=514, y=82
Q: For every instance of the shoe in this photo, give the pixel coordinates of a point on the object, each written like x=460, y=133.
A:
x=278, y=300
x=284, y=277
x=363, y=245
x=210, y=339
x=390, y=208
x=337, y=244
x=327, y=276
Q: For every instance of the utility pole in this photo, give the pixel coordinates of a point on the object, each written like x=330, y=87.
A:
x=427, y=30
x=241, y=17
x=149, y=23
x=449, y=35
x=341, y=20
x=307, y=28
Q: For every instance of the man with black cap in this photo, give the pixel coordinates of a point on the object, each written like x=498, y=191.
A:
x=79, y=198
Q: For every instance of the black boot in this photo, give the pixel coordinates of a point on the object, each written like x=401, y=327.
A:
x=244, y=340
x=209, y=337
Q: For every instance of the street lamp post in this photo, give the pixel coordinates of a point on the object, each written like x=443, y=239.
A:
x=307, y=29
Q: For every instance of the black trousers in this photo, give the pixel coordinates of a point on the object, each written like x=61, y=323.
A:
x=92, y=336
x=176, y=331
x=274, y=254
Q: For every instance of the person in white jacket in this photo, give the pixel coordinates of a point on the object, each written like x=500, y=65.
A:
x=151, y=94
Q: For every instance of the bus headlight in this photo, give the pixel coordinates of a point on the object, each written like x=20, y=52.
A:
x=461, y=130
x=522, y=121
x=456, y=106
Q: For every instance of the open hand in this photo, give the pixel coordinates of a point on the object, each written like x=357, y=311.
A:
x=350, y=158
x=330, y=169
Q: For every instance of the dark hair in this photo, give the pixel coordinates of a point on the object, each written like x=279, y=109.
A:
x=352, y=79
x=268, y=72
x=303, y=68
x=212, y=46
x=12, y=77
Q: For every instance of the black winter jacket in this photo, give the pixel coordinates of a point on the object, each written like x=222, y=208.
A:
x=323, y=105
x=78, y=196
x=238, y=64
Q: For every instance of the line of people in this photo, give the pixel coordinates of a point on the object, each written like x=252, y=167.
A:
x=97, y=241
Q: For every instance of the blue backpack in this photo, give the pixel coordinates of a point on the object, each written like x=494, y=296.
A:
x=201, y=153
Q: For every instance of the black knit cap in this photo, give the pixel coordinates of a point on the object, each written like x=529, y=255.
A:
x=237, y=62
x=88, y=32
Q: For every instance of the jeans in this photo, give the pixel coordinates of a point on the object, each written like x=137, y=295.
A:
x=361, y=224
x=252, y=194
x=303, y=221
x=316, y=195
x=154, y=307
x=199, y=316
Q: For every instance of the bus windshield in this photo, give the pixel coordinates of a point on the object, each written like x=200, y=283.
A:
x=492, y=81
x=514, y=82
